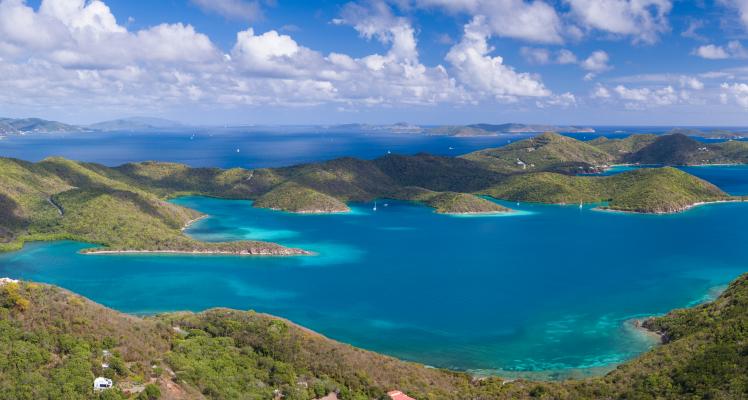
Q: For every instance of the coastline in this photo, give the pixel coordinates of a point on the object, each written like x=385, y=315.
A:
x=192, y=221
x=289, y=252
x=680, y=210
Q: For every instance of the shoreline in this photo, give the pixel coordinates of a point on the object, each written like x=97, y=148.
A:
x=192, y=221
x=204, y=252
x=680, y=210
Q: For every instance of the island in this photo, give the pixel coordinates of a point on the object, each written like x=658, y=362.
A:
x=125, y=208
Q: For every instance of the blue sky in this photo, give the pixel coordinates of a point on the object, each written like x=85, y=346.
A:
x=597, y=62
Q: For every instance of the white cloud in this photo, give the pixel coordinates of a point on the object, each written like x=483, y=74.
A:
x=534, y=21
x=644, y=20
x=73, y=54
x=645, y=97
x=543, y=56
x=600, y=92
x=597, y=62
x=478, y=70
x=741, y=6
x=563, y=100
x=566, y=57
x=734, y=49
x=232, y=9
x=738, y=92
x=691, y=83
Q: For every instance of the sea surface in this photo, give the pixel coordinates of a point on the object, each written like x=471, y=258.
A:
x=546, y=292
x=234, y=147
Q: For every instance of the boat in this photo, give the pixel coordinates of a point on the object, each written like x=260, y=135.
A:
x=237, y=150
x=375, y=206
x=581, y=205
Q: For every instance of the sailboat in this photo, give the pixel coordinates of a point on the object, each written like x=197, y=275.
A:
x=581, y=205
x=375, y=206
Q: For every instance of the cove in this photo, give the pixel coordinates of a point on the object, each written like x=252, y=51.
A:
x=543, y=293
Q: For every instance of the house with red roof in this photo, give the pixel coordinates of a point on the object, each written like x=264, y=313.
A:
x=398, y=395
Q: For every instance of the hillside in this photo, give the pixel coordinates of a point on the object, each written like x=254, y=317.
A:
x=53, y=343
x=60, y=199
x=619, y=148
x=546, y=152
x=124, y=208
x=647, y=190
x=678, y=149
x=289, y=196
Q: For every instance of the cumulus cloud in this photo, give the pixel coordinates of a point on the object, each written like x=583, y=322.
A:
x=477, y=69
x=741, y=6
x=566, y=57
x=639, y=98
x=597, y=62
x=536, y=55
x=534, y=21
x=733, y=49
x=644, y=20
x=736, y=91
x=600, y=92
x=75, y=54
x=231, y=9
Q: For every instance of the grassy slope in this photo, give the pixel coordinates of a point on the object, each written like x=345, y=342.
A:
x=291, y=196
x=619, y=148
x=678, y=149
x=461, y=203
x=653, y=190
x=52, y=341
x=29, y=193
x=61, y=199
x=546, y=152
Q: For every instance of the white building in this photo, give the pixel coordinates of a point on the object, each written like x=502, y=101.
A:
x=102, y=383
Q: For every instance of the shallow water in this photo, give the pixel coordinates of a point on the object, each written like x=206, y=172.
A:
x=546, y=290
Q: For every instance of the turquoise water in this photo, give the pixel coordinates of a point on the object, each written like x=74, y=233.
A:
x=548, y=290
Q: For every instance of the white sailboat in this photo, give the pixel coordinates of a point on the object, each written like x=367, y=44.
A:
x=581, y=205
x=375, y=206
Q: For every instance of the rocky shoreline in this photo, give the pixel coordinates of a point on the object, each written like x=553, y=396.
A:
x=670, y=211
x=289, y=252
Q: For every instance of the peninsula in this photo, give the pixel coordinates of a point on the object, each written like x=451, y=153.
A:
x=61, y=341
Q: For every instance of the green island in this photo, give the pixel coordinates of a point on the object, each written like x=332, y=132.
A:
x=53, y=343
x=125, y=208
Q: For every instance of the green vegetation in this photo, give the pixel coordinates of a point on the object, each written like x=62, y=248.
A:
x=461, y=203
x=124, y=208
x=60, y=199
x=678, y=149
x=290, y=196
x=52, y=345
x=648, y=190
x=546, y=152
x=618, y=148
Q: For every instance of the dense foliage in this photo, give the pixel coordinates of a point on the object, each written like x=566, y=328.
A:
x=53, y=343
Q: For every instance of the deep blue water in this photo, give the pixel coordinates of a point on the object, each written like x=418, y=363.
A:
x=549, y=289
x=218, y=147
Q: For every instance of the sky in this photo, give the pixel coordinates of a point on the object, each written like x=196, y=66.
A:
x=291, y=62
